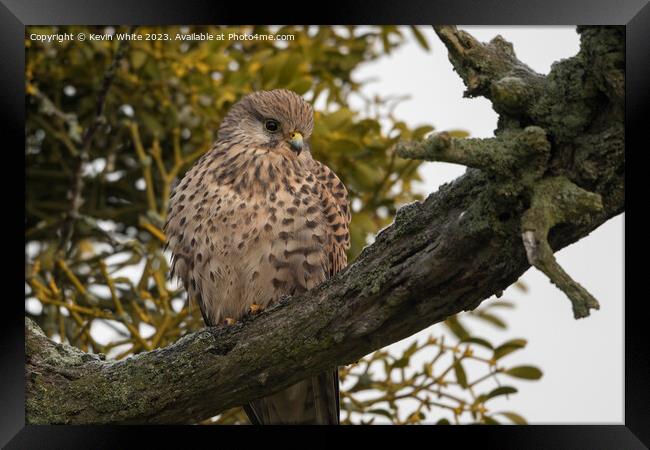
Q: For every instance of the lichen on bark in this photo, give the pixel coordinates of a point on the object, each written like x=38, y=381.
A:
x=557, y=200
x=540, y=121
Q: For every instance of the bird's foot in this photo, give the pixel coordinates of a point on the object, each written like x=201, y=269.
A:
x=255, y=309
x=228, y=321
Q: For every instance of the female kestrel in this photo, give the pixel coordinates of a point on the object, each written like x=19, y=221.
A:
x=257, y=218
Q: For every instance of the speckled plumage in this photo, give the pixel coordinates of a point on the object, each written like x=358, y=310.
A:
x=254, y=219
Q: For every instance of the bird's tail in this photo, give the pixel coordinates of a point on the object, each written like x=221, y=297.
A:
x=314, y=401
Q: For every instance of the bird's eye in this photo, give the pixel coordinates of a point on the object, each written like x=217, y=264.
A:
x=272, y=125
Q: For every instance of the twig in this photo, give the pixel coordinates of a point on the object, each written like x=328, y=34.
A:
x=557, y=200
x=76, y=184
x=509, y=155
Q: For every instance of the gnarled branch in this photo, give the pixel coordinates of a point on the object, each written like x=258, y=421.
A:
x=557, y=200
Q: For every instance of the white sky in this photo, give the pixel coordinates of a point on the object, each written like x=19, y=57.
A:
x=582, y=360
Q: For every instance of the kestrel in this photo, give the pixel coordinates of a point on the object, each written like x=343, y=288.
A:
x=257, y=218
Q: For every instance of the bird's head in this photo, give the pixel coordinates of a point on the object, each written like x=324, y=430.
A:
x=278, y=120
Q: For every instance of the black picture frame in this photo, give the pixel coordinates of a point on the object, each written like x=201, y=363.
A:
x=634, y=14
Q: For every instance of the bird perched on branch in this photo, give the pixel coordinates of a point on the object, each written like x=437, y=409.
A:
x=257, y=218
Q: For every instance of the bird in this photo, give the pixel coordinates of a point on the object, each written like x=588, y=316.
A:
x=257, y=218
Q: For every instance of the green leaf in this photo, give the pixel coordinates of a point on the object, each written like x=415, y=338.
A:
x=363, y=383
x=364, y=222
x=416, y=416
x=411, y=349
x=514, y=417
x=381, y=412
x=443, y=422
x=338, y=119
x=151, y=123
x=420, y=37
x=479, y=399
x=461, y=376
x=272, y=69
x=289, y=70
x=455, y=327
x=490, y=421
x=521, y=286
x=491, y=318
x=419, y=132
x=300, y=85
x=401, y=363
x=403, y=128
x=460, y=134
x=500, y=304
x=385, y=42
x=344, y=146
x=138, y=58
x=350, y=406
x=525, y=372
x=501, y=390
x=509, y=347
x=477, y=341
x=367, y=176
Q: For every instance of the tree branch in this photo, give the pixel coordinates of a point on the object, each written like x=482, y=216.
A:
x=439, y=257
x=77, y=183
x=556, y=200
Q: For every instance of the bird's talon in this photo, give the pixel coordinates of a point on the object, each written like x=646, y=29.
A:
x=255, y=308
x=228, y=321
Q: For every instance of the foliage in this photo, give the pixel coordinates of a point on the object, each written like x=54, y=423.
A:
x=441, y=387
x=104, y=151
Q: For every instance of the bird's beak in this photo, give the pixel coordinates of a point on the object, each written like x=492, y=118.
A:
x=296, y=142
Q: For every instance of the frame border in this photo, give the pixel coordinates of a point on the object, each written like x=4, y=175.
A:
x=634, y=14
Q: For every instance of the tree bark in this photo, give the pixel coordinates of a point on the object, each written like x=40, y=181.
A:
x=441, y=256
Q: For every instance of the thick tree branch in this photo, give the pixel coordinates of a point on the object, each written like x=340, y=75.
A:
x=441, y=256
x=557, y=200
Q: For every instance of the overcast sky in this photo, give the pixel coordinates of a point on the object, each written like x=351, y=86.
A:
x=582, y=360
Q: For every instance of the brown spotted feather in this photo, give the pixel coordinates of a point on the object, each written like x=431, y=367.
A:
x=252, y=221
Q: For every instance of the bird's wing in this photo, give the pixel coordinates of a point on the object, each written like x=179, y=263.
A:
x=188, y=228
x=340, y=226
x=338, y=215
